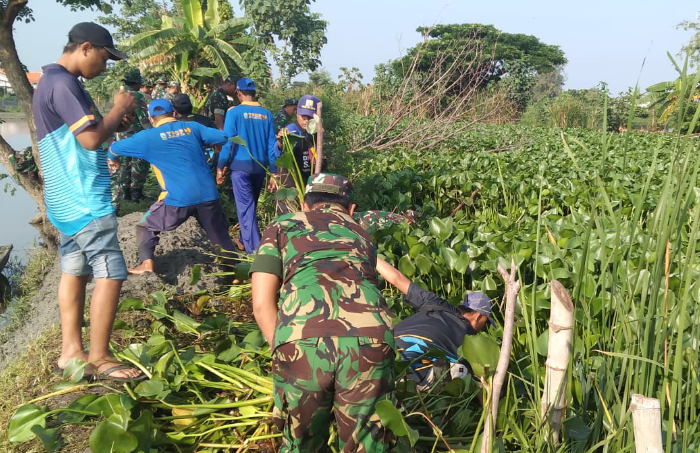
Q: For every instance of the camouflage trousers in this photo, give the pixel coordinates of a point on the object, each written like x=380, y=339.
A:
x=347, y=375
x=131, y=176
x=23, y=161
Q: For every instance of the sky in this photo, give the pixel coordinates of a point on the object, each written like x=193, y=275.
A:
x=603, y=40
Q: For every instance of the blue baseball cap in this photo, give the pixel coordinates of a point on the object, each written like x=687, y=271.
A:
x=307, y=105
x=480, y=303
x=160, y=107
x=245, y=84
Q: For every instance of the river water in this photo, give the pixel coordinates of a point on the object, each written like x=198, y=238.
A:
x=16, y=207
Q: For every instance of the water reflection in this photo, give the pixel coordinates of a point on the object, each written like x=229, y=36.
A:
x=16, y=207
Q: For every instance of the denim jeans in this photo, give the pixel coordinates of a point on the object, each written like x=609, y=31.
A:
x=94, y=250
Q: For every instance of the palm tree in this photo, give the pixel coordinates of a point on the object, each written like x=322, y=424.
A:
x=195, y=47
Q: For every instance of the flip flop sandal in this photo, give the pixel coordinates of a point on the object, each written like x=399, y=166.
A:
x=106, y=374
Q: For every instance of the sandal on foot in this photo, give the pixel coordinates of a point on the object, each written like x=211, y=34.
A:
x=106, y=374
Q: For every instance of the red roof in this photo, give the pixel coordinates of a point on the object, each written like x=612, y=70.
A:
x=33, y=77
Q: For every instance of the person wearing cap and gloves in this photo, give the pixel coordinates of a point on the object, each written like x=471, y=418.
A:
x=174, y=148
x=173, y=89
x=248, y=163
x=307, y=159
x=316, y=300
x=71, y=134
x=128, y=182
x=286, y=113
x=218, y=103
x=436, y=325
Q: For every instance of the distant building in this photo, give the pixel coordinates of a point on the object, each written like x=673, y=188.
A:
x=6, y=87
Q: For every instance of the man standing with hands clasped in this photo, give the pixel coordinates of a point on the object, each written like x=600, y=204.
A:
x=71, y=134
x=329, y=328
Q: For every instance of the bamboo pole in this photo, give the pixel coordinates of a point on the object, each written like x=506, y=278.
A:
x=561, y=323
x=512, y=290
x=646, y=416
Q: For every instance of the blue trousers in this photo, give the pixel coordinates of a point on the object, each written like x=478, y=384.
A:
x=246, y=191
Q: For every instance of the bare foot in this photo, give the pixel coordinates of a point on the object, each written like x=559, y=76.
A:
x=146, y=266
x=64, y=359
x=103, y=365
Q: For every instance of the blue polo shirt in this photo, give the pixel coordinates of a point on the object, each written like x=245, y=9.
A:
x=254, y=124
x=76, y=179
x=175, y=149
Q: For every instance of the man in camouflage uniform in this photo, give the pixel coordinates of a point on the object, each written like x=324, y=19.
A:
x=128, y=181
x=173, y=89
x=286, y=114
x=147, y=89
x=331, y=331
x=161, y=89
x=218, y=103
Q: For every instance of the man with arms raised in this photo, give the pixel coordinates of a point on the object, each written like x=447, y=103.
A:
x=71, y=134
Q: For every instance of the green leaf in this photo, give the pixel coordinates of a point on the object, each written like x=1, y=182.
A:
x=79, y=405
x=21, y=423
x=149, y=388
x=159, y=297
x=131, y=304
x=406, y=266
x=440, y=228
x=311, y=127
x=48, y=437
x=449, y=256
x=286, y=193
x=391, y=418
x=196, y=271
x=109, y=437
x=286, y=161
x=142, y=429
x=488, y=284
x=238, y=141
x=74, y=370
x=424, y=263
x=193, y=13
x=481, y=351
x=211, y=17
x=543, y=343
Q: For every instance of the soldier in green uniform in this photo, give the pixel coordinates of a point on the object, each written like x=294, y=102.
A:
x=372, y=221
x=331, y=330
x=161, y=89
x=147, y=89
x=286, y=114
x=218, y=103
x=173, y=89
x=128, y=181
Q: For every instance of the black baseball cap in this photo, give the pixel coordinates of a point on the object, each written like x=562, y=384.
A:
x=182, y=103
x=96, y=35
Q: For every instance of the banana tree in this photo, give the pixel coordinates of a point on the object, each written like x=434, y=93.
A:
x=195, y=47
x=669, y=95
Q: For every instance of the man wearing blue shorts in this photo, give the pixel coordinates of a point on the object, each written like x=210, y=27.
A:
x=249, y=164
x=71, y=134
x=175, y=149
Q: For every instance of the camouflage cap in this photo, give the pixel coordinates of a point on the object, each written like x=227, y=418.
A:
x=161, y=80
x=174, y=83
x=330, y=183
x=290, y=101
x=148, y=83
x=133, y=76
x=231, y=79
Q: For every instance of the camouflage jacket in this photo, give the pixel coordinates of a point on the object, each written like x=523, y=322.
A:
x=217, y=103
x=281, y=119
x=371, y=221
x=327, y=264
x=141, y=121
x=158, y=93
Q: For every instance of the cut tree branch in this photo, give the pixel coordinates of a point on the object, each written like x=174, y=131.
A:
x=512, y=290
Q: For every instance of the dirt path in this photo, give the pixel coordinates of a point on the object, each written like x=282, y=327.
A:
x=176, y=255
